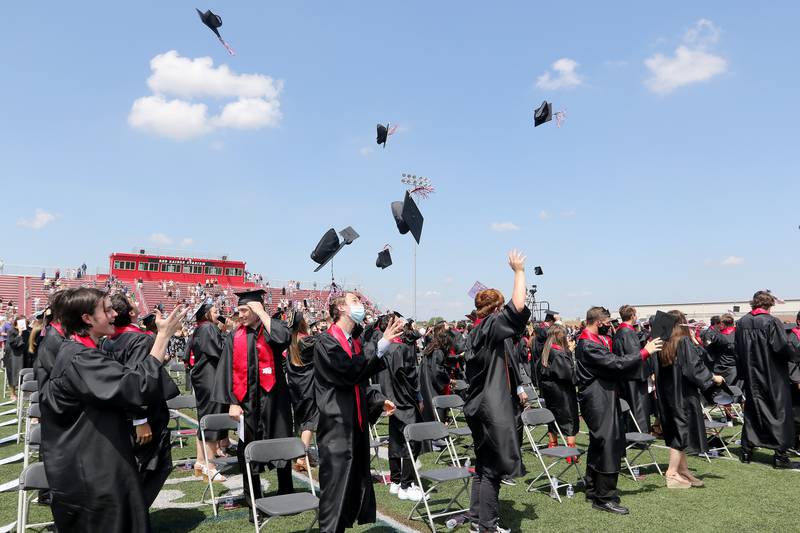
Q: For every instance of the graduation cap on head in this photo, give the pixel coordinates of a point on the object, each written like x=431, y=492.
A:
x=201, y=310
x=214, y=21
x=538, y=271
x=294, y=320
x=550, y=313
x=661, y=325
x=408, y=217
x=329, y=245
x=245, y=297
x=384, y=259
x=544, y=113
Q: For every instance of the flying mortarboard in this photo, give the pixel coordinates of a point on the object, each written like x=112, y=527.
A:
x=384, y=132
x=214, y=21
x=384, y=259
x=329, y=245
x=544, y=113
x=662, y=325
x=538, y=270
x=245, y=297
x=408, y=217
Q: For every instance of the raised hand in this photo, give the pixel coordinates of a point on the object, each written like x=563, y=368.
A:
x=516, y=261
x=394, y=329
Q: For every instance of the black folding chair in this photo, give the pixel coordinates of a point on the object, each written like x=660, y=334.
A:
x=533, y=418
x=452, y=405
x=31, y=479
x=426, y=432
x=377, y=441
x=267, y=451
x=175, y=405
x=26, y=389
x=639, y=441
x=223, y=465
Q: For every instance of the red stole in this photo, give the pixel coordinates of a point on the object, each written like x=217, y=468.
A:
x=130, y=328
x=728, y=331
x=598, y=339
x=796, y=331
x=58, y=327
x=86, y=341
x=266, y=362
x=337, y=333
x=759, y=311
x=624, y=325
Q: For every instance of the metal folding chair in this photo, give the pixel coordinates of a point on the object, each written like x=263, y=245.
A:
x=224, y=465
x=714, y=430
x=427, y=432
x=377, y=441
x=452, y=404
x=639, y=441
x=33, y=434
x=175, y=405
x=32, y=478
x=26, y=388
x=533, y=418
x=533, y=397
x=267, y=451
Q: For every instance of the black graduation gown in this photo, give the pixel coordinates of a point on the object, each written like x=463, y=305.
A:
x=206, y=345
x=346, y=491
x=557, y=383
x=301, y=386
x=794, y=377
x=722, y=349
x=400, y=386
x=46, y=354
x=679, y=395
x=267, y=415
x=537, y=346
x=86, y=445
x=155, y=457
x=491, y=406
x=600, y=373
x=16, y=348
x=433, y=379
x=634, y=391
x=762, y=354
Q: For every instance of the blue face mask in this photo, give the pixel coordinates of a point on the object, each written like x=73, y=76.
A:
x=357, y=313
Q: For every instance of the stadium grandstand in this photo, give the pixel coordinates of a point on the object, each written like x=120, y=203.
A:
x=164, y=279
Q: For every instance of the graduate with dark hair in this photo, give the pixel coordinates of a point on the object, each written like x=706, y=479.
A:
x=434, y=379
x=151, y=433
x=600, y=374
x=51, y=341
x=634, y=391
x=763, y=354
x=346, y=407
x=300, y=375
x=794, y=377
x=722, y=349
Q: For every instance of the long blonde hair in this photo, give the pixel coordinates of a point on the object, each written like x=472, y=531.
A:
x=556, y=334
x=33, y=340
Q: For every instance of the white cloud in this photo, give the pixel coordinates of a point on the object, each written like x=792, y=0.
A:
x=160, y=239
x=568, y=214
x=187, y=241
x=693, y=62
x=430, y=294
x=543, y=215
x=40, y=219
x=503, y=226
x=400, y=297
x=732, y=260
x=256, y=103
x=565, y=77
x=449, y=279
x=615, y=63
x=365, y=151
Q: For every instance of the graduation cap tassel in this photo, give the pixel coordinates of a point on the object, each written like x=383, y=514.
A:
x=230, y=50
x=560, y=116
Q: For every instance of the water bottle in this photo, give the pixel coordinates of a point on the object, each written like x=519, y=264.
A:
x=227, y=503
x=635, y=471
x=455, y=522
x=713, y=453
x=570, y=491
x=738, y=442
x=554, y=489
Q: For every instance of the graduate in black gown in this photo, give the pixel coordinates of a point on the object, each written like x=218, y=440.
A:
x=557, y=384
x=539, y=337
x=86, y=445
x=682, y=377
x=205, y=345
x=346, y=406
x=634, y=391
x=763, y=354
x=252, y=381
x=491, y=409
x=151, y=433
x=722, y=349
x=15, y=356
x=794, y=377
x=300, y=375
x=434, y=379
x=51, y=341
x=601, y=373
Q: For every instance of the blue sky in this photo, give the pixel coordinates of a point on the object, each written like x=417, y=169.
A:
x=674, y=177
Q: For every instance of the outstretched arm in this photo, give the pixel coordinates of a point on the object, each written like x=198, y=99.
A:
x=517, y=263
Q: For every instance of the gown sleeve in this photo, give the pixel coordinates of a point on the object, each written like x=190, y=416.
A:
x=506, y=323
x=333, y=364
x=223, y=380
x=375, y=402
x=609, y=365
x=279, y=336
x=561, y=365
x=692, y=366
x=780, y=344
x=208, y=341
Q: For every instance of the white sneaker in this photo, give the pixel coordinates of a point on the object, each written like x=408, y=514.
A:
x=393, y=488
x=412, y=493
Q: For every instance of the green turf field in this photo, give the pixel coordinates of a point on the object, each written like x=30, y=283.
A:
x=736, y=498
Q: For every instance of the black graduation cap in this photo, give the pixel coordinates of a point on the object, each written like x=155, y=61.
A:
x=212, y=20
x=246, y=297
x=661, y=325
x=408, y=217
x=544, y=113
x=383, y=134
x=329, y=245
x=538, y=271
x=550, y=313
x=221, y=319
x=201, y=310
x=384, y=259
x=295, y=318
x=149, y=319
x=720, y=394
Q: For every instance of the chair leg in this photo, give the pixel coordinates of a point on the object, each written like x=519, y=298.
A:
x=316, y=517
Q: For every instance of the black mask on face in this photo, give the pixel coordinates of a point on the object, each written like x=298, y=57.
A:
x=604, y=330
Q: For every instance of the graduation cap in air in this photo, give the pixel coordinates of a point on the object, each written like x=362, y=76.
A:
x=245, y=297
x=329, y=245
x=538, y=271
x=214, y=21
x=384, y=259
x=661, y=325
x=384, y=132
x=408, y=217
x=544, y=113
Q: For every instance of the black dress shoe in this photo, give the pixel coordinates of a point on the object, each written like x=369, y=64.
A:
x=610, y=507
x=745, y=457
x=782, y=462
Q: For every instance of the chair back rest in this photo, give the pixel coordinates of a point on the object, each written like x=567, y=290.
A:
x=623, y=405
x=35, y=435
x=34, y=411
x=182, y=402
x=530, y=391
x=376, y=387
x=424, y=431
x=218, y=422
x=448, y=401
x=26, y=374
x=460, y=385
x=34, y=397
x=33, y=478
x=29, y=386
x=265, y=451
x=176, y=366
x=537, y=417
